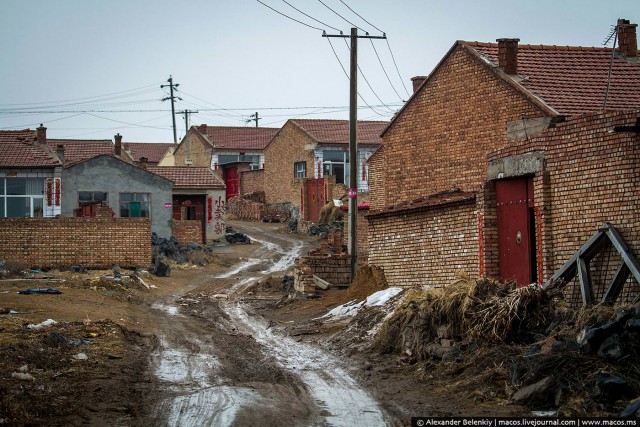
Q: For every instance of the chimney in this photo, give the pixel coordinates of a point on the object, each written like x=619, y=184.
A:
x=118, y=147
x=41, y=135
x=143, y=162
x=508, y=55
x=60, y=153
x=202, y=128
x=627, y=39
x=417, y=82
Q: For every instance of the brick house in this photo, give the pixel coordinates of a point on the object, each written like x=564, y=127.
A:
x=198, y=202
x=434, y=209
x=154, y=152
x=314, y=149
x=221, y=148
x=30, y=175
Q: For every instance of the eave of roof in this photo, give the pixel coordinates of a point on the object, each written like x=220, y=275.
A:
x=454, y=197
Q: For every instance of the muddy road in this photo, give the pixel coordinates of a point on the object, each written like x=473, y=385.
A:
x=217, y=364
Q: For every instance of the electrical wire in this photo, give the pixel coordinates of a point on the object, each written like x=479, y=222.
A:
x=131, y=124
x=359, y=16
x=345, y=19
x=309, y=16
x=383, y=69
x=396, y=65
x=287, y=16
x=367, y=81
x=48, y=121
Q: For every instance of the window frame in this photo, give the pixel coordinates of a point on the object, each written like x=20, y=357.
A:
x=32, y=199
x=128, y=203
x=300, y=172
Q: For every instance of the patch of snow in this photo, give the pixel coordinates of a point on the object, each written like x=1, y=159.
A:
x=242, y=266
x=171, y=309
x=377, y=299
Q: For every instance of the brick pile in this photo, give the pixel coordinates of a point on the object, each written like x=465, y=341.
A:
x=334, y=269
x=96, y=210
x=63, y=242
x=245, y=209
x=187, y=231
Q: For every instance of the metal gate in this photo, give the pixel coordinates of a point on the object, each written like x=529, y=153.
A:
x=232, y=180
x=516, y=233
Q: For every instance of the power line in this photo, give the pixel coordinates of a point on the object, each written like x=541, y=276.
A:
x=38, y=122
x=359, y=16
x=308, y=16
x=130, y=124
x=366, y=80
x=287, y=16
x=396, y=65
x=383, y=69
x=345, y=19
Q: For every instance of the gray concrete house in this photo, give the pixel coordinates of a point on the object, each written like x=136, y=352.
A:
x=130, y=191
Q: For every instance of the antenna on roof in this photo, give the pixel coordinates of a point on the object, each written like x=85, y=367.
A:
x=610, y=36
x=614, y=32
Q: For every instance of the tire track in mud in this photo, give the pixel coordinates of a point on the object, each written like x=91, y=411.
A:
x=198, y=385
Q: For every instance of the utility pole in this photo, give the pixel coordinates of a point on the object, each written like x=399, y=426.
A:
x=353, y=143
x=254, y=118
x=187, y=158
x=173, y=109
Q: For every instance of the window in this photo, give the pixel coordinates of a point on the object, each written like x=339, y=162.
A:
x=231, y=158
x=300, y=169
x=135, y=205
x=21, y=197
x=91, y=196
x=336, y=163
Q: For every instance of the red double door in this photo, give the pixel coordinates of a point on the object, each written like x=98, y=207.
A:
x=516, y=230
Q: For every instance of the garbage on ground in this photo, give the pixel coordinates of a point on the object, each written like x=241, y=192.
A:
x=79, y=269
x=232, y=236
x=7, y=311
x=23, y=376
x=40, y=291
x=170, y=249
x=48, y=322
x=80, y=356
x=57, y=338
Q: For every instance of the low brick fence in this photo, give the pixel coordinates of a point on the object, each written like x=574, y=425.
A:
x=245, y=209
x=335, y=269
x=63, y=242
x=187, y=230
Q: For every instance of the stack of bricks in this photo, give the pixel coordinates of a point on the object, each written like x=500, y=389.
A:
x=96, y=210
x=63, y=242
x=187, y=231
x=330, y=246
x=245, y=209
x=334, y=269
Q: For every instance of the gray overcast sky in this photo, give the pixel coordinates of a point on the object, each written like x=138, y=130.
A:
x=69, y=56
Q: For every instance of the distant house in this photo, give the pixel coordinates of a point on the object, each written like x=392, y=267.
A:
x=154, y=152
x=441, y=211
x=198, y=195
x=30, y=175
x=316, y=149
x=76, y=150
x=221, y=148
x=130, y=191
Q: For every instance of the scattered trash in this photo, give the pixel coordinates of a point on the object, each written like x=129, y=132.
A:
x=48, y=322
x=1, y=264
x=79, y=269
x=56, y=338
x=234, y=237
x=23, y=376
x=40, y=291
x=37, y=271
x=23, y=368
x=7, y=311
x=80, y=356
x=162, y=269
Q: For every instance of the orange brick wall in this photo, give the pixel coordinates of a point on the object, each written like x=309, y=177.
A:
x=428, y=247
x=280, y=184
x=376, y=179
x=251, y=181
x=63, y=242
x=187, y=230
x=200, y=152
x=591, y=176
x=442, y=138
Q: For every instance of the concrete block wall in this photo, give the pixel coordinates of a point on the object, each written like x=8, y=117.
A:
x=63, y=242
x=427, y=247
x=187, y=230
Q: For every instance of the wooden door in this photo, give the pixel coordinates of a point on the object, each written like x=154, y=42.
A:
x=314, y=189
x=232, y=180
x=516, y=236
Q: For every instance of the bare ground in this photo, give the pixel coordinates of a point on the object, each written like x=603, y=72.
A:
x=214, y=345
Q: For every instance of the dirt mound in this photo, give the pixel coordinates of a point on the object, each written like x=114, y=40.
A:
x=369, y=279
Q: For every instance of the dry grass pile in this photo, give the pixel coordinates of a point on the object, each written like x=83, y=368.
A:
x=330, y=213
x=480, y=309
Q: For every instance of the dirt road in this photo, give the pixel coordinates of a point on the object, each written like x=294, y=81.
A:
x=218, y=365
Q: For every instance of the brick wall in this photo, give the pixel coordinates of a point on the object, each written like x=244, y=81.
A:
x=63, y=242
x=428, y=247
x=252, y=181
x=441, y=139
x=246, y=209
x=187, y=230
x=200, y=151
x=590, y=177
x=335, y=269
x=376, y=180
x=287, y=148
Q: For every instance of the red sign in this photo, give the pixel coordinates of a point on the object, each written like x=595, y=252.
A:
x=353, y=193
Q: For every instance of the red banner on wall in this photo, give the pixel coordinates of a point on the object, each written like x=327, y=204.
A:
x=49, y=192
x=209, y=209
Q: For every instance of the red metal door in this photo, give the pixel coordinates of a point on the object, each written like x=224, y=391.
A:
x=232, y=179
x=514, y=197
x=315, y=198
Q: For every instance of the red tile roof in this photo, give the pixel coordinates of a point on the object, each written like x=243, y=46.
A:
x=447, y=198
x=337, y=131
x=189, y=177
x=18, y=149
x=77, y=150
x=237, y=138
x=153, y=151
x=572, y=80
